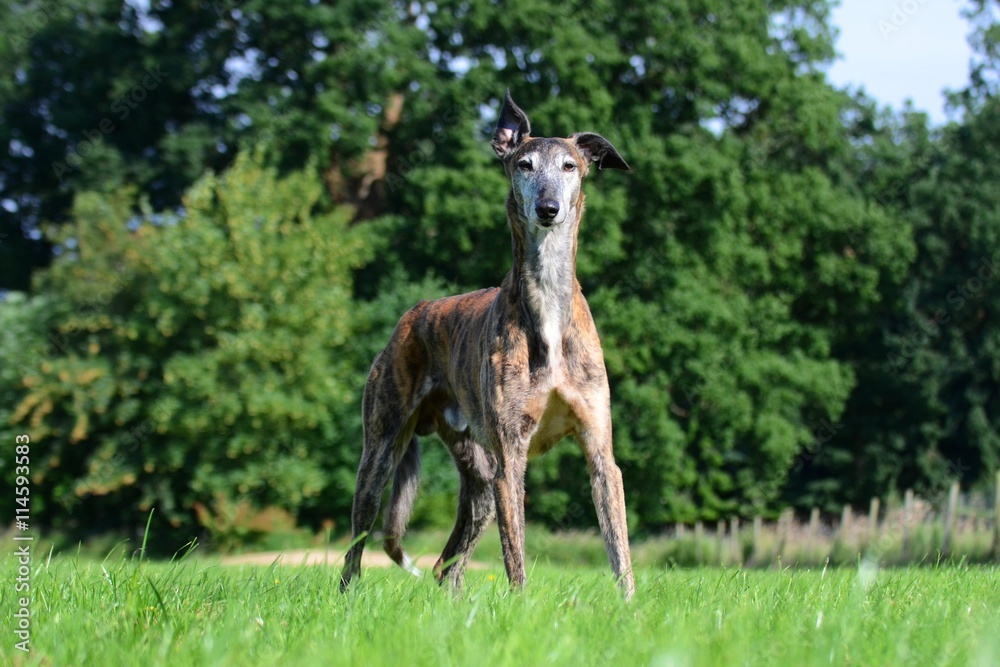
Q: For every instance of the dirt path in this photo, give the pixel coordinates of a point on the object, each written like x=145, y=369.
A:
x=333, y=557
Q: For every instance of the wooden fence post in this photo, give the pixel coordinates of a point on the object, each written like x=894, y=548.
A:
x=757, y=550
x=949, y=520
x=873, y=521
x=907, y=520
x=845, y=523
x=720, y=542
x=736, y=547
x=814, y=526
x=784, y=529
x=699, y=532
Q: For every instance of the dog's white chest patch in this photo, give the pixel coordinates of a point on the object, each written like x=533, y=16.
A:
x=551, y=292
x=550, y=310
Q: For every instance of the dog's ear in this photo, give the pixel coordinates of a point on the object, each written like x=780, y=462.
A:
x=512, y=128
x=597, y=149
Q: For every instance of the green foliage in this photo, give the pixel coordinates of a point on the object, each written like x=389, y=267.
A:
x=925, y=410
x=202, y=358
x=956, y=303
x=762, y=279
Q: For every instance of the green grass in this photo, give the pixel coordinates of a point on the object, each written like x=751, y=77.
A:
x=196, y=612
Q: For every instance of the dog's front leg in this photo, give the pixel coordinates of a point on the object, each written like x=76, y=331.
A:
x=609, y=498
x=508, y=490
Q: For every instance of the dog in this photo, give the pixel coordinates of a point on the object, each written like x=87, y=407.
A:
x=500, y=374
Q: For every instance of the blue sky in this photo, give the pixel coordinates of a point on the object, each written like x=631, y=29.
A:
x=899, y=49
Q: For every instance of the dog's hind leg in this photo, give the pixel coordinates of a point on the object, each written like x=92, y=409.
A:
x=373, y=475
x=476, y=510
x=387, y=431
x=404, y=492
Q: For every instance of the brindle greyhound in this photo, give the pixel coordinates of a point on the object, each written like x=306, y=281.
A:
x=500, y=375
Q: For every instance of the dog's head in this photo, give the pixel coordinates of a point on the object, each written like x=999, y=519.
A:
x=545, y=173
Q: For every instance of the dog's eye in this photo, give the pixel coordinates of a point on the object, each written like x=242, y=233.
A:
x=525, y=165
x=569, y=166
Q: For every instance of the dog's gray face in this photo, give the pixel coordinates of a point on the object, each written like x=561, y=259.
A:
x=545, y=174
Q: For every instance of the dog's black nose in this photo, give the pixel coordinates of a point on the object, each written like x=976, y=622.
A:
x=547, y=209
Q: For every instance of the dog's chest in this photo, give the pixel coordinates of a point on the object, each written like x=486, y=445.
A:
x=550, y=306
x=529, y=400
x=546, y=420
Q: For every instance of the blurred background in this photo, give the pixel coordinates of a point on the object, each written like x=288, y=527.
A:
x=212, y=214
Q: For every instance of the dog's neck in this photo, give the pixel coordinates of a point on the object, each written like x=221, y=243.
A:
x=544, y=278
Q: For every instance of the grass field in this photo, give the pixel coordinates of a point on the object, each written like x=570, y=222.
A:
x=198, y=612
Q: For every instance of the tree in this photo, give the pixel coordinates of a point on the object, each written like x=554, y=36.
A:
x=924, y=411
x=99, y=99
x=199, y=360
x=112, y=93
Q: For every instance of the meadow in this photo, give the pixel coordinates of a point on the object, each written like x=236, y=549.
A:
x=122, y=610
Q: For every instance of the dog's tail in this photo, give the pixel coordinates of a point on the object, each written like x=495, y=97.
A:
x=397, y=515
